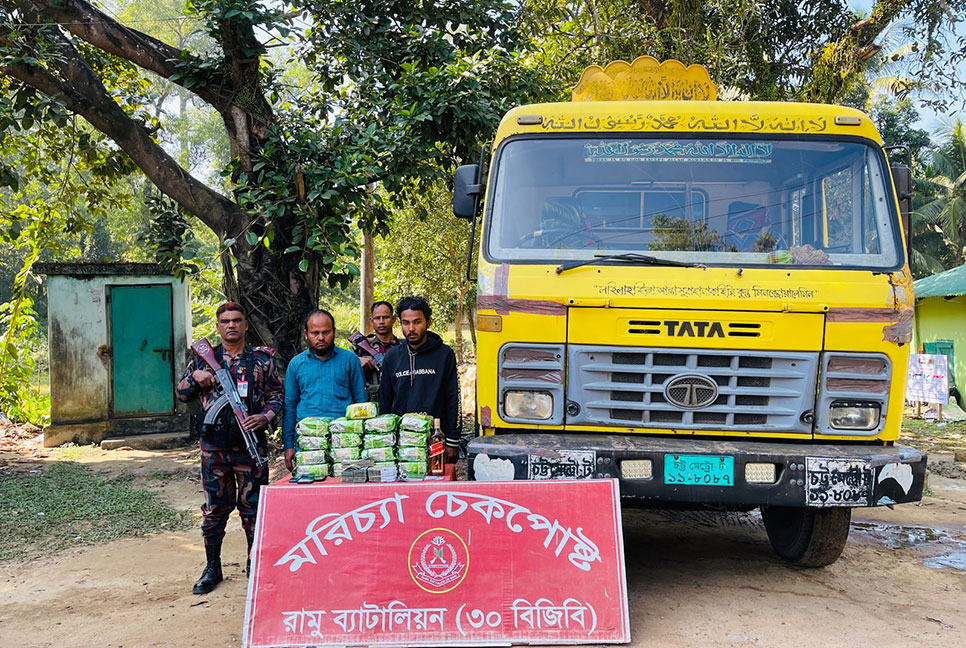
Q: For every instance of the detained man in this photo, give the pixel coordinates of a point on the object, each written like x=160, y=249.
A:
x=323, y=380
x=380, y=341
x=420, y=375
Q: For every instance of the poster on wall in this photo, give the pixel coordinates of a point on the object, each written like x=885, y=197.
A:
x=927, y=381
x=465, y=563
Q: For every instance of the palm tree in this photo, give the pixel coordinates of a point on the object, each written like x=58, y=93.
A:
x=939, y=224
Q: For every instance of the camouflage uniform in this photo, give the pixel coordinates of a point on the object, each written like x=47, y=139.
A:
x=372, y=377
x=230, y=476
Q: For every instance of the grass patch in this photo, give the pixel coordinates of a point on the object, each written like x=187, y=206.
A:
x=934, y=437
x=70, y=505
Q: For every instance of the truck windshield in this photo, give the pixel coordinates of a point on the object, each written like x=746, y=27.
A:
x=710, y=200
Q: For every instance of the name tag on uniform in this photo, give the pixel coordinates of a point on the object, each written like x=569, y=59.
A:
x=243, y=388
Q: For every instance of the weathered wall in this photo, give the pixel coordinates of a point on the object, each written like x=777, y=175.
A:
x=78, y=336
x=939, y=319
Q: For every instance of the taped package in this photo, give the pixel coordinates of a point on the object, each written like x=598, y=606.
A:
x=379, y=454
x=342, y=454
x=387, y=440
x=416, y=422
x=412, y=470
x=316, y=426
x=362, y=411
x=310, y=457
x=412, y=453
x=415, y=439
x=340, y=466
x=346, y=425
x=312, y=443
x=346, y=440
x=383, y=423
x=316, y=471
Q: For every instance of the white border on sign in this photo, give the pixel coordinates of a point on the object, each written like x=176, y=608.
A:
x=250, y=603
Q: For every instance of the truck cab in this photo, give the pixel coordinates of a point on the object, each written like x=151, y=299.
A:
x=709, y=301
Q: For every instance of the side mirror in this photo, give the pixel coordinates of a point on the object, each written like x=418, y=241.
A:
x=466, y=191
x=902, y=178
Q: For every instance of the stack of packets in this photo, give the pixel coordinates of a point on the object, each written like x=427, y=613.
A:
x=312, y=448
x=363, y=446
x=414, y=432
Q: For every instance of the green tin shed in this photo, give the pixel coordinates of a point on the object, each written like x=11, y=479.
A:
x=118, y=339
x=941, y=322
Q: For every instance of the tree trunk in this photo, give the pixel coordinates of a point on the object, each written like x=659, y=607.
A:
x=366, y=282
x=458, y=323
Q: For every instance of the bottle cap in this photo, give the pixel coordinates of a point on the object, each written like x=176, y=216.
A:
x=435, y=422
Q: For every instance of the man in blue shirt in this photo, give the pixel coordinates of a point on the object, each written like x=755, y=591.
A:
x=321, y=381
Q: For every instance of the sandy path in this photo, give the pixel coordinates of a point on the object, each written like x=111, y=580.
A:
x=696, y=579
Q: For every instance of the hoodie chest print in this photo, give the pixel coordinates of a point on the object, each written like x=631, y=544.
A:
x=415, y=372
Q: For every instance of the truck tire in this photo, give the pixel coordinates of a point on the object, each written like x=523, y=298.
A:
x=807, y=537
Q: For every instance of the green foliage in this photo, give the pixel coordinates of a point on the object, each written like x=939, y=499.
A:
x=425, y=254
x=69, y=505
x=170, y=237
x=683, y=234
x=939, y=223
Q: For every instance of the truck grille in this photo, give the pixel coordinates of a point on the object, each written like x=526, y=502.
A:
x=757, y=390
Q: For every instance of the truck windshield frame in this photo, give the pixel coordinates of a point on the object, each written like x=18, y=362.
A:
x=718, y=199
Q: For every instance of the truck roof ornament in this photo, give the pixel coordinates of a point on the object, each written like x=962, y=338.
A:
x=646, y=79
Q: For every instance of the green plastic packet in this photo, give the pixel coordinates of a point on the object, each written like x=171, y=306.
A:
x=383, y=423
x=312, y=443
x=317, y=471
x=416, y=422
x=412, y=470
x=387, y=440
x=344, y=454
x=345, y=440
x=379, y=454
x=316, y=426
x=340, y=425
x=310, y=457
x=412, y=453
x=362, y=411
x=416, y=439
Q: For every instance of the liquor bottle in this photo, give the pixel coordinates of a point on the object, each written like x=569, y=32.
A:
x=436, y=450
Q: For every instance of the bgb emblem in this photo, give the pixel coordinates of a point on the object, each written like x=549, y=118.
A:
x=438, y=560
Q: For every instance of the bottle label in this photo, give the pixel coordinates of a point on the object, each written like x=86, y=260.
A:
x=436, y=449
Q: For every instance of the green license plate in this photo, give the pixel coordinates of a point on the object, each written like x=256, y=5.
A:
x=699, y=470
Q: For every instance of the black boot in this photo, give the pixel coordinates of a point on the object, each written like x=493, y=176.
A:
x=248, y=565
x=212, y=574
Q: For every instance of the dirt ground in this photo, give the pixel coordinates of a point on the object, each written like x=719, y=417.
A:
x=698, y=579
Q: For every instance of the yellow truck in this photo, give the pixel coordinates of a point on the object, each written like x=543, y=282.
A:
x=709, y=301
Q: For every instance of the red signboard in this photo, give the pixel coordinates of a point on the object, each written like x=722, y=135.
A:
x=444, y=563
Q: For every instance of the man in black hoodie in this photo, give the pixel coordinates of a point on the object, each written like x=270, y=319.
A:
x=420, y=374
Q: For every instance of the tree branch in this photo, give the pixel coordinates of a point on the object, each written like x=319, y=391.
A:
x=102, y=31
x=83, y=93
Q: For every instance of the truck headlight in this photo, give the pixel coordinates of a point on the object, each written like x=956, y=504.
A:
x=854, y=415
x=536, y=405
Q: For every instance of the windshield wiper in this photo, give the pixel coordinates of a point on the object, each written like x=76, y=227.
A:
x=630, y=257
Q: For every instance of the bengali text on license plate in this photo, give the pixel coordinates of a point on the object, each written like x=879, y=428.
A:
x=699, y=470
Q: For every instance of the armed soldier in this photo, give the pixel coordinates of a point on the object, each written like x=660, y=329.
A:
x=372, y=348
x=230, y=475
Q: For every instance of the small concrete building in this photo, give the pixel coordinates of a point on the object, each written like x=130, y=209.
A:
x=941, y=323
x=118, y=339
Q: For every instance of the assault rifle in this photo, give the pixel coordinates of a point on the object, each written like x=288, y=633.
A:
x=359, y=340
x=229, y=396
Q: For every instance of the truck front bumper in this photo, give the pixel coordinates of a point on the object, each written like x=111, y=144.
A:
x=806, y=475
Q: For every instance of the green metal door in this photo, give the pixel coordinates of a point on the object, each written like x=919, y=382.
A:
x=142, y=350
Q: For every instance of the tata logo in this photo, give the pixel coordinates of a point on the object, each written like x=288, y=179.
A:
x=676, y=328
x=694, y=328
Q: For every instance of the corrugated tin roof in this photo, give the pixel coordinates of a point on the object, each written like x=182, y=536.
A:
x=945, y=284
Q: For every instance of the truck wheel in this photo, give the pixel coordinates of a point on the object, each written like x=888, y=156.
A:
x=807, y=537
